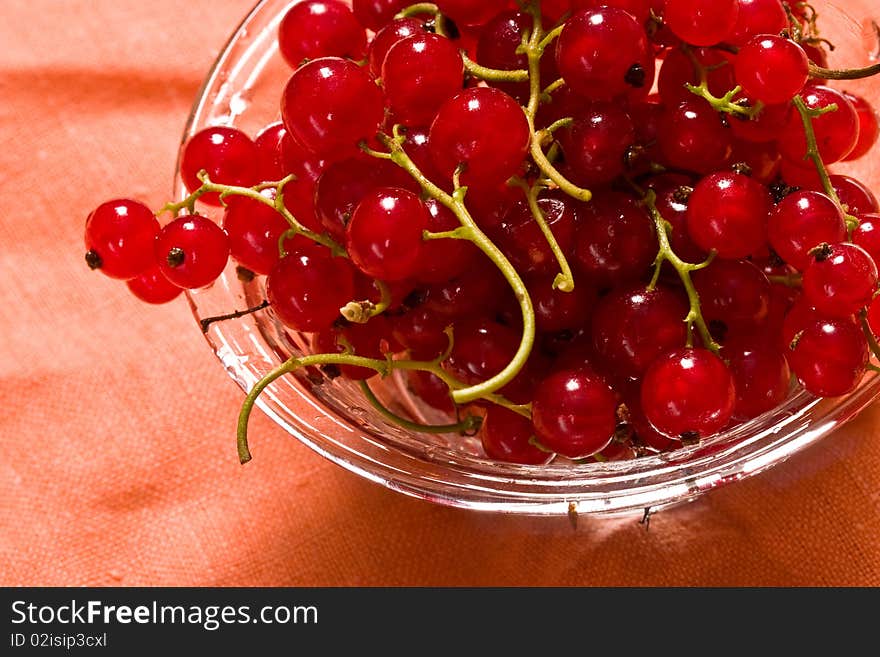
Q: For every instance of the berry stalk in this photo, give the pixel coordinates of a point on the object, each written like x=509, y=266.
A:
x=383, y=367
x=471, y=232
x=807, y=115
x=684, y=270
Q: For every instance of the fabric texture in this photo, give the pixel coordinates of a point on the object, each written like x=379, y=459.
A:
x=118, y=423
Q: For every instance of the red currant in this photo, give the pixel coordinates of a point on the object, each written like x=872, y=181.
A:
x=384, y=236
x=119, y=238
x=192, y=251
x=330, y=105
x=320, y=28
x=574, y=413
x=227, y=155
x=688, y=393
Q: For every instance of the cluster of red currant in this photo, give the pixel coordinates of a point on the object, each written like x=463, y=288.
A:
x=596, y=228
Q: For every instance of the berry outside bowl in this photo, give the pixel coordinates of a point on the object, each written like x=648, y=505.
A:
x=243, y=89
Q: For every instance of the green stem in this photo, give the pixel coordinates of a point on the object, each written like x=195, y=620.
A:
x=383, y=367
x=844, y=74
x=684, y=270
x=470, y=231
x=469, y=424
x=534, y=51
x=417, y=9
x=564, y=281
x=807, y=116
x=493, y=74
x=725, y=103
x=254, y=194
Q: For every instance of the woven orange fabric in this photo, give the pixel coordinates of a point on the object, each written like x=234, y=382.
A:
x=119, y=465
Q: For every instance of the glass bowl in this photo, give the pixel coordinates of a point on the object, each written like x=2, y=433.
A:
x=243, y=89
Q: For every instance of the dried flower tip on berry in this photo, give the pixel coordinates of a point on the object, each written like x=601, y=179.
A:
x=821, y=252
x=93, y=260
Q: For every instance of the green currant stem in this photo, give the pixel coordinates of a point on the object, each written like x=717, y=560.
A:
x=557, y=125
x=564, y=281
x=844, y=74
x=534, y=51
x=550, y=88
x=468, y=425
x=360, y=312
x=725, y=103
x=789, y=280
x=550, y=37
x=684, y=270
x=418, y=8
x=383, y=367
x=493, y=74
x=471, y=232
x=253, y=193
x=807, y=116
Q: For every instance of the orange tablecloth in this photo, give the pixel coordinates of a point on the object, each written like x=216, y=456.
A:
x=117, y=423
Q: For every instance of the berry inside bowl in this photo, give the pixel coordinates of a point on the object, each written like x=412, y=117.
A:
x=381, y=436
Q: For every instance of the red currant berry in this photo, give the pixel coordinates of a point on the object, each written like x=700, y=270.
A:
x=772, y=69
x=615, y=242
x=869, y=126
x=802, y=221
x=384, y=236
x=688, y=393
x=254, y=230
x=192, y=251
x=595, y=145
x=836, y=132
x=387, y=37
x=480, y=290
x=153, y=287
x=692, y=137
x=421, y=330
x=227, y=155
x=727, y=213
x=468, y=12
x=556, y=310
x=483, y=129
x=841, y=280
x=574, y=413
x=119, y=238
x=758, y=17
x=420, y=73
x=307, y=289
x=375, y=14
x=852, y=193
x=867, y=235
x=761, y=377
x=829, y=357
x=633, y=326
x=765, y=127
x=701, y=22
x=330, y=105
x=320, y=28
x=431, y=389
x=603, y=53
x=507, y=436
x=344, y=184
x=734, y=292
